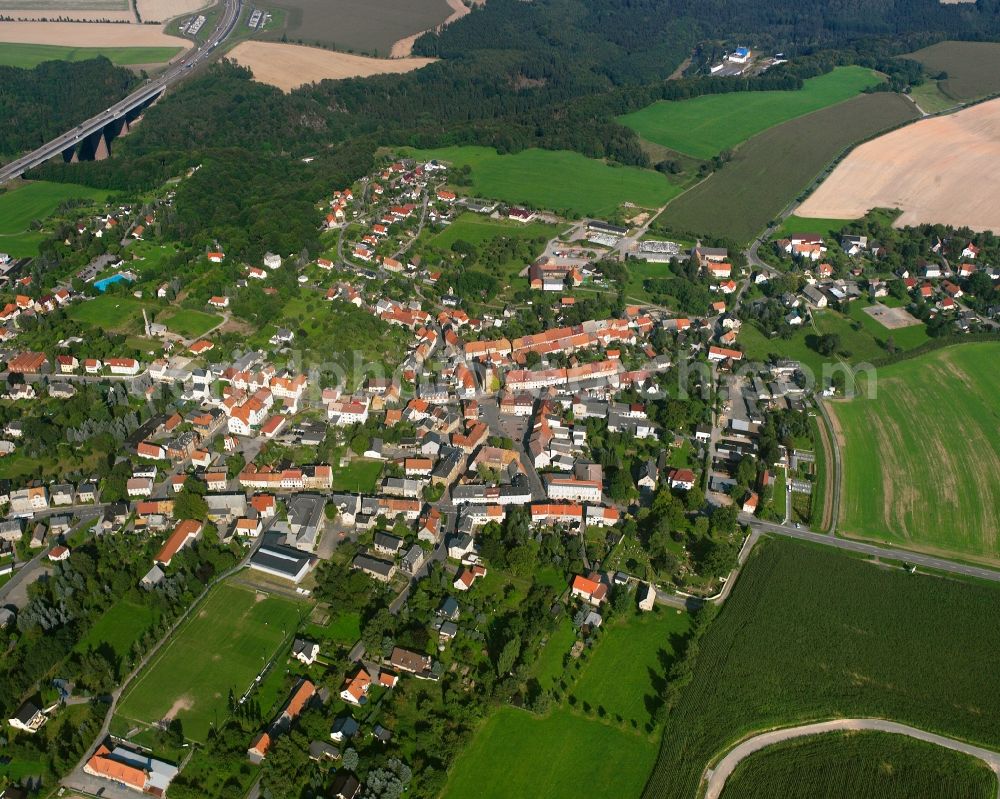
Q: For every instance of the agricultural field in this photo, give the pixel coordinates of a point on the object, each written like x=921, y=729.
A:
x=89, y=34
x=862, y=765
x=370, y=27
x=626, y=672
x=705, y=126
x=120, y=627
x=109, y=312
x=555, y=180
x=930, y=98
x=773, y=168
x=973, y=68
x=289, y=66
x=27, y=56
x=560, y=756
x=189, y=322
x=190, y=680
x=162, y=10
x=904, y=169
x=934, y=422
x=809, y=633
x=31, y=202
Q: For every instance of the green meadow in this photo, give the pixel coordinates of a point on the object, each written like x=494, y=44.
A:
x=35, y=201
x=555, y=180
x=705, y=126
x=27, y=56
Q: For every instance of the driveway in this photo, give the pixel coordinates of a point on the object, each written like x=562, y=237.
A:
x=717, y=777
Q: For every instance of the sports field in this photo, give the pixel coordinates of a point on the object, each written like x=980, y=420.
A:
x=27, y=56
x=921, y=462
x=973, y=68
x=223, y=646
x=705, y=126
x=556, y=180
x=190, y=323
x=773, y=168
x=863, y=765
x=809, y=634
x=562, y=756
x=37, y=200
x=626, y=672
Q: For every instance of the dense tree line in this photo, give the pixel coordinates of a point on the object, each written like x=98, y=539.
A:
x=38, y=104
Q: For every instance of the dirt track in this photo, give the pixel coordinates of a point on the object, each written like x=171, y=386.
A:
x=290, y=65
x=936, y=170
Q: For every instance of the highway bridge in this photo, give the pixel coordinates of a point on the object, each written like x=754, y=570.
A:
x=91, y=138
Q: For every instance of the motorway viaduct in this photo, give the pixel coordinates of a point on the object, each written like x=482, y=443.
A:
x=92, y=138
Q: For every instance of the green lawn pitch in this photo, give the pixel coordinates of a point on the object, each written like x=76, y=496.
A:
x=222, y=647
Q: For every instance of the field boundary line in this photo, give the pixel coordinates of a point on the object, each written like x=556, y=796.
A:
x=716, y=777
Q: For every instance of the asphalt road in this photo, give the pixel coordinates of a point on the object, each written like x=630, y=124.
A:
x=716, y=778
x=887, y=553
x=152, y=88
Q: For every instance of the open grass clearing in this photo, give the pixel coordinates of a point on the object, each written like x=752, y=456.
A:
x=35, y=202
x=775, y=167
x=862, y=765
x=931, y=99
x=626, y=673
x=801, y=224
x=109, y=312
x=478, y=229
x=222, y=647
x=705, y=126
x=119, y=628
x=27, y=56
x=560, y=756
x=921, y=460
x=360, y=475
x=809, y=634
x=556, y=180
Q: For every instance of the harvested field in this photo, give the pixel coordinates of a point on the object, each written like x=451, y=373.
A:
x=91, y=34
x=81, y=15
x=288, y=66
x=973, y=67
x=370, y=27
x=891, y=318
x=404, y=47
x=939, y=170
x=770, y=170
x=162, y=10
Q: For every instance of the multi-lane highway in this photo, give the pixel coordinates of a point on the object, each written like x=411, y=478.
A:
x=174, y=73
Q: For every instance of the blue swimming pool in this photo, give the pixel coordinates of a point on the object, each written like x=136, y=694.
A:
x=101, y=285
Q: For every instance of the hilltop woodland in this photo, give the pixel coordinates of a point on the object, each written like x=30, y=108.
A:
x=41, y=103
x=513, y=75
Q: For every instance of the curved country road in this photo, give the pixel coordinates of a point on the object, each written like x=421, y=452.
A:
x=716, y=778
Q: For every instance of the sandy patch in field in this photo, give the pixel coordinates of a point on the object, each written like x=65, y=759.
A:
x=92, y=34
x=404, y=47
x=936, y=170
x=162, y=10
x=891, y=318
x=183, y=703
x=259, y=597
x=288, y=66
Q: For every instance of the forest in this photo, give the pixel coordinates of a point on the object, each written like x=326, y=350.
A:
x=513, y=75
x=38, y=104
